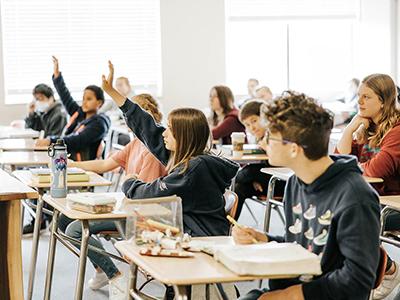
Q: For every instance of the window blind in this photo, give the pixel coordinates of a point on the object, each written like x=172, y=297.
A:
x=83, y=35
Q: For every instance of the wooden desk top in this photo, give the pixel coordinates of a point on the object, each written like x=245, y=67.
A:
x=95, y=180
x=392, y=201
x=7, y=132
x=20, y=145
x=179, y=271
x=13, y=189
x=247, y=158
x=19, y=158
x=61, y=205
x=283, y=173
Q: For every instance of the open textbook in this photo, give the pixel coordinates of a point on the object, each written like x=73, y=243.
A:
x=268, y=259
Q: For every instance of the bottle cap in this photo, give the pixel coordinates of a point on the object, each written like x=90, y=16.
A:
x=60, y=142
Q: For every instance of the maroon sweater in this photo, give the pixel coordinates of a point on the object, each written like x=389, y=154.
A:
x=383, y=162
x=230, y=124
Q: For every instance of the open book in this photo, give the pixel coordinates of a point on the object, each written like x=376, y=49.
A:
x=269, y=259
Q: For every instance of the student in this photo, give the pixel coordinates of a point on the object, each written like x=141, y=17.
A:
x=330, y=209
x=264, y=93
x=86, y=128
x=224, y=119
x=45, y=113
x=250, y=181
x=135, y=159
x=194, y=173
x=251, y=84
x=377, y=147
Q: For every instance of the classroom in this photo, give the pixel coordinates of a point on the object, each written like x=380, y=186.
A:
x=250, y=121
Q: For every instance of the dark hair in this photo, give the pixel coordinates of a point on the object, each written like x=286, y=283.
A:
x=191, y=131
x=43, y=89
x=250, y=108
x=97, y=91
x=226, y=99
x=298, y=118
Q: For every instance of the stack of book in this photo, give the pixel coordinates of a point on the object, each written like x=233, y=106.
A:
x=248, y=149
x=73, y=175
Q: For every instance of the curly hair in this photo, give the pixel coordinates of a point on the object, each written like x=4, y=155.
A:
x=299, y=119
x=148, y=103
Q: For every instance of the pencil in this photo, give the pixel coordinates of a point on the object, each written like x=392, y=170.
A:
x=144, y=220
x=233, y=221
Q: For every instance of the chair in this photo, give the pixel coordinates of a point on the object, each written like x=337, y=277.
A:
x=231, y=202
x=381, y=270
x=275, y=203
x=117, y=170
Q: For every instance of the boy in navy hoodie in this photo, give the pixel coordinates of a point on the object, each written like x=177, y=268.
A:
x=329, y=207
x=86, y=128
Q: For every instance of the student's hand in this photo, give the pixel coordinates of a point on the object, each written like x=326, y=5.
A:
x=263, y=144
x=257, y=186
x=294, y=292
x=356, y=122
x=31, y=107
x=107, y=83
x=56, y=70
x=243, y=236
x=42, y=142
x=134, y=176
x=70, y=163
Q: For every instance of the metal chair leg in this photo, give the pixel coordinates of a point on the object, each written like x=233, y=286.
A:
x=251, y=212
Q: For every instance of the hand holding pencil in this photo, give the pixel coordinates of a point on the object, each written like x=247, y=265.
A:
x=243, y=235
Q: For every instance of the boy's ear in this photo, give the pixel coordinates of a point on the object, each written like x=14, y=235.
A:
x=52, y=99
x=296, y=150
x=101, y=103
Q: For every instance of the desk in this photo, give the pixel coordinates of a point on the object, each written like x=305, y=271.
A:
x=11, y=283
x=20, y=145
x=284, y=174
x=248, y=158
x=25, y=177
x=60, y=206
x=392, y=203
x=7, y=132
x=24, y=158
x=179, y=272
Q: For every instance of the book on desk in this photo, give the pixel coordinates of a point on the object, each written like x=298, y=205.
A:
x=42, y=175
x=248, y=149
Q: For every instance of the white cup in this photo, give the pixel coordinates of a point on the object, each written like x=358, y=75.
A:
x=237, y=142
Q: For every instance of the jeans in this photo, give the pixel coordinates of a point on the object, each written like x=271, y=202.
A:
x=254, y=294
x=73, y=228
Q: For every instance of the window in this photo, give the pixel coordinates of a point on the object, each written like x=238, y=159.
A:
x=83, y=35
x=304, y=45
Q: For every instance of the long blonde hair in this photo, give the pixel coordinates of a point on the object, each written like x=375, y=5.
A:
x=385, y=88
x=190, y=129
x=148, y=103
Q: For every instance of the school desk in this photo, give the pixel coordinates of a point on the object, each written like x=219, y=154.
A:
x=391, y=203
x=248, y=158
x=183, y=272
x=284, y=174
x=11, y=190
x=20, y=145
x=60, y=206
x=25, y=177
x=7, y=132
x=23, y=158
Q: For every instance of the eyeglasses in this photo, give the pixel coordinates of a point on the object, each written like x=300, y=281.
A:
x=268, y=138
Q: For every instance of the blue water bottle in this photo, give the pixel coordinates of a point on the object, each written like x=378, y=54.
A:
x=58, y=172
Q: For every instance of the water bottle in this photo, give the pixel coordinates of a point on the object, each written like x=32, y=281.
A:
x=58, y=172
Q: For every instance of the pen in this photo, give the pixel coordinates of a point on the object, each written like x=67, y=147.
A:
x=233, y=221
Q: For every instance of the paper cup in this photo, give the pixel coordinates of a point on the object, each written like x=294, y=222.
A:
x=237, y=142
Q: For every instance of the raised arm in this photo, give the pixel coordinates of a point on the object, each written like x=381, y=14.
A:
x=344, y=145
x=107, y=85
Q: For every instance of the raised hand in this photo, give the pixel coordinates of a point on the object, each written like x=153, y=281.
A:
x=56, y=70
x=107, y=83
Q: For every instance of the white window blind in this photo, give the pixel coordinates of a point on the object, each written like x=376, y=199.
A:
x=83, y=35
x=305, y=45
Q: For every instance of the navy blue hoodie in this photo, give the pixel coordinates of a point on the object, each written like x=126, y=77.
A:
x=337, y=217
x=83, y=136
x=201, y=186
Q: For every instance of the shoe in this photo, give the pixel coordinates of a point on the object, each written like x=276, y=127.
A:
x=309, y=234
x=98, y=280
x=310, y=212
x=297, y=210
x=296, y=227
x=119, y=288
x=326, y=218
x=28, y=229
x=321, y=239
x=388, y=284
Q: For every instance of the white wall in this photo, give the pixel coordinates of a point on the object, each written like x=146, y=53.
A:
x=192, y=51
